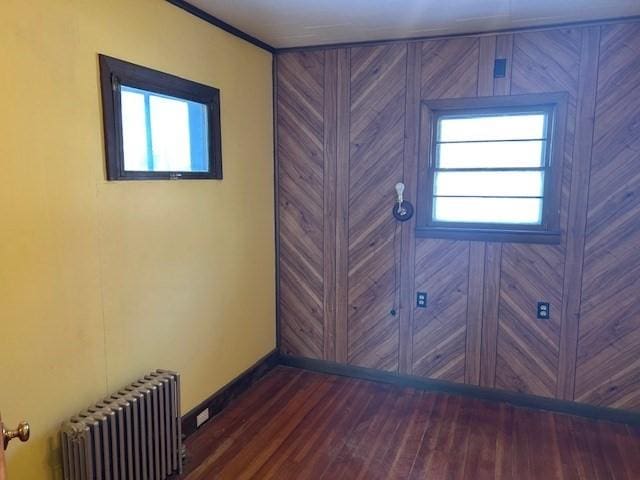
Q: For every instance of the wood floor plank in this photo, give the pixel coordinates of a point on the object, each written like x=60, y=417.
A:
x=296, y=424
x=231, y=449
x=265, y=441
x=234, y=420
x=461, y=456
x=596, y=463
x=415, y=439
x=504, y=444
x=330, y=443
x=440, y=464
x=403, y=417
x=543, y=453
x=433, y=458
x=521, y=466
x=348, y=445
x=480, y=458
x=628, y=443
x=363, y=454
x=380, y=445
x=570, y=462
x=411, y=435
x=429, y=439
x=286, y=460
x=607, y=440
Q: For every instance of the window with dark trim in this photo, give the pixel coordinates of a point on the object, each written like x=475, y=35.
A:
x=158, y=126
x=490, y=168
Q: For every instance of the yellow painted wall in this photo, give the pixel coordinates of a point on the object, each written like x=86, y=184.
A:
x=102, y=281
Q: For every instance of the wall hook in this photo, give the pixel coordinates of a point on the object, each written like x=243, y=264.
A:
x=402, y=210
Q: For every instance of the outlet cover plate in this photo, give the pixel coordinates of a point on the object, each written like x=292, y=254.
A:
x=421, y=300
x=202, y=417
x=544, y=311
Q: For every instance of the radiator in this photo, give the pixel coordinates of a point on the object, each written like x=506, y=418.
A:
x=135, y=434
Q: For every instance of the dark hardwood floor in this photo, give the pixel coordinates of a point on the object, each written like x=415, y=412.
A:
x=295, y=424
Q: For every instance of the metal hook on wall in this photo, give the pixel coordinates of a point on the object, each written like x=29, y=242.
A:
x=402, y=210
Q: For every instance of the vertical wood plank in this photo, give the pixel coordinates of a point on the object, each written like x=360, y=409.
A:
x=493, y=250
x=477, y=250
x=410, y=177
x=342, y=203
x=504, y=49
x=474, y=312
x=578, y=198
x=486, y=61
x=490, y=313
x=329, y=201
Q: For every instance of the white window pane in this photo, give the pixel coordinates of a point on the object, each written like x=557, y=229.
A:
x=491, y=155
x=525, y=211
x=494, y=184
x=492, y=127
x=170, y=134
x=134, y=131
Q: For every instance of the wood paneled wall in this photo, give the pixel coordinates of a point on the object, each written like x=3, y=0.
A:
x=348, y=130
x=608, y=362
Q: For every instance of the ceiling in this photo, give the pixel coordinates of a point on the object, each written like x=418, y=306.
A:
x=296, y=23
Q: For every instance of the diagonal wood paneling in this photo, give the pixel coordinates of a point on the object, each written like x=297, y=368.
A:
x=378, y=84
x=608, y=363
x=300, y=138
x=527, y=356
x=449, y=69
x=528, y=348
x=439, y=333
x=577, y=218
x=340, y=161
x=549, y=61
x=410, y=179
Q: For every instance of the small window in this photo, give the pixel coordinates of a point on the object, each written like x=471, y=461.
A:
x=491, y=169
x=158, y=126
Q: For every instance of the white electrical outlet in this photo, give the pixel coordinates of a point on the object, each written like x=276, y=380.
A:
x=202, y=417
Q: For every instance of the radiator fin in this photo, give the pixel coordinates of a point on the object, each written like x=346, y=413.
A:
x=134, y=434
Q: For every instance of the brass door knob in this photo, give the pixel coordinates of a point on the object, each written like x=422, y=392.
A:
x=22, y=432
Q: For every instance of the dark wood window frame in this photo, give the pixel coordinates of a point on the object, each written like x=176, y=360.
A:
x=547, y=232
x=113, y=74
